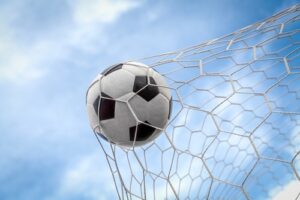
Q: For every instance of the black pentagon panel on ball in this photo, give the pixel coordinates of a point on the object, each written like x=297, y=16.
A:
x=107, y=107
x=143, y=132
x=149, y=92
x=112, y=69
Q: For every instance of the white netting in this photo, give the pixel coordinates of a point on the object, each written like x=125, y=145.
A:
x=234, y=131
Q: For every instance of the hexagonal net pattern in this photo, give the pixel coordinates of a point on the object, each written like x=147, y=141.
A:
x=234, y=131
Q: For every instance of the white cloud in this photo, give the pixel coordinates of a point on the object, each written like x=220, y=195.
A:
x=88, y=178
x=19, y=62
x=290, y=191
x=90, y=19
x=104, y=11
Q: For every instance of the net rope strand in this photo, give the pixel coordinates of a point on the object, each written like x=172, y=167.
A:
x=234, y=131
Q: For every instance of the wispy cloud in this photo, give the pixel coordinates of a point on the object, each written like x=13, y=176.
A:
x=16, y=62
x=21, y=63
x=290, y=191
x=104, y=11
x=83, y=179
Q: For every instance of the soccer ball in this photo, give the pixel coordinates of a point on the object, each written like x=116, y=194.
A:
x=129, y=104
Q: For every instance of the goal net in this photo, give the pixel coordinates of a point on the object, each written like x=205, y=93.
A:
x=234, y=131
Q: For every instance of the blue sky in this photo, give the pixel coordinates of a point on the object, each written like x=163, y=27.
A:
x=49, y=53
